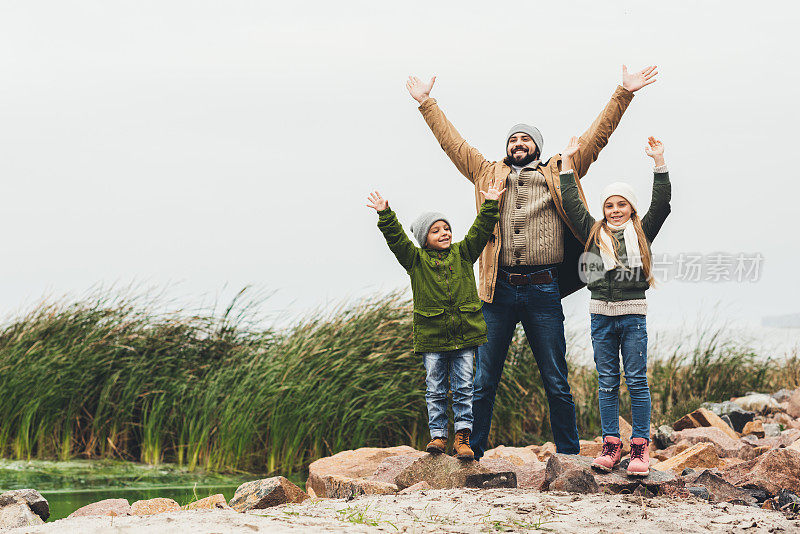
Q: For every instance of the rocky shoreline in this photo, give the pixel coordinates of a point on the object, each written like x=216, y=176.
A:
x=727, y=467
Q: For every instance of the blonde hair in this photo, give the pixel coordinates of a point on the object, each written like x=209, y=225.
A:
x=644, y=248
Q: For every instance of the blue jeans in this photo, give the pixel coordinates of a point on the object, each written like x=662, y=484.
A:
x=538, y=307
x=610, y=336
x=449, y=371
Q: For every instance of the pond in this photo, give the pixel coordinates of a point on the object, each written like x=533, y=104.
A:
x=71, y=484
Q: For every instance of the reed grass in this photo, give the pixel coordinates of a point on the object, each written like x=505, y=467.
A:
x=118, y=377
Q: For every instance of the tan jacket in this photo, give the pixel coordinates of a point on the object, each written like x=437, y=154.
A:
x=481, y=172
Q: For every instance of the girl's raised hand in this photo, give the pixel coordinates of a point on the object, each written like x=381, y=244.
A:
x=493, y=193
x=573, y=146
x=654, y=147
x=377, y=202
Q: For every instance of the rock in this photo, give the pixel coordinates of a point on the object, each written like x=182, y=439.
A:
x=674, y=450
x=663, y=437
x=30, y=497
x=739, y=418
x=213, y=502
x=625, y=431
x=758, y=494
x=793, y=405
x=513, y=455
x=616, y=481
x=725, y=445
x=419, y=486
x=721, y=490
x=531, y=476
x=788, y=500
x=159, y=505
x=771, y=430
x=700, y=455
x=704, y=418
x=757, y=402
x=773, y=471
x=784, y=439
x=546, y=451
x=688, y=471
x=18, y=514
x=358, y=463
x=260, y=494
x=642, y=491
x=754, y=428
x=783, y=395
x=112, y=507
x=720, y=408
x=337, y=487
x=700, y=492
x=442, y=471
x=388, y=470
x=575, y=481
x=590, y=448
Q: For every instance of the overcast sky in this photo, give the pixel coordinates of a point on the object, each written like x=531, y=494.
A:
x=214, y=145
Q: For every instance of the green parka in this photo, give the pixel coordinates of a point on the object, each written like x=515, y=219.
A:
x=447, y=310
x=618, y=284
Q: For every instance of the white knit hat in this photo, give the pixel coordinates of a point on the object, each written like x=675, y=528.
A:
x=622, y=189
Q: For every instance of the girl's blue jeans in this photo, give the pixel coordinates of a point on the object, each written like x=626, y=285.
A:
x=626, y=335
x=449, y=371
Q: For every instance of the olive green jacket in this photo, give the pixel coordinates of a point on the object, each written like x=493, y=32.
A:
x=447, y=310
x=620, y=283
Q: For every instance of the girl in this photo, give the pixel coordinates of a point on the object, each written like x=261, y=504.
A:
x=617, y=266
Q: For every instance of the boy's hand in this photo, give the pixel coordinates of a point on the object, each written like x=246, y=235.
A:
x=637, y=80
x=418, y=89
x=493, y=193
x=378, y=203
x=655, y=150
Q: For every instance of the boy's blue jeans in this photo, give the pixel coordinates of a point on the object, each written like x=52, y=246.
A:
x=538, y=307
x=449, y=371
x=626, y=334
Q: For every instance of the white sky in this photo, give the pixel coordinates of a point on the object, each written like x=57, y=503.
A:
x=220, y=144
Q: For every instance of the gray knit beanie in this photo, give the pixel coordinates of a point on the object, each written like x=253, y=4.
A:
x=532, y=131
x=422, y=225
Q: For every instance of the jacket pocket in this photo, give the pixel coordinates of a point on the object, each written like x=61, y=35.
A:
x=429, y=325
x=472, y=323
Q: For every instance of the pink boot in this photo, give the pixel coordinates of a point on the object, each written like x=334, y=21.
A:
x=609, y=457
x=640, y=458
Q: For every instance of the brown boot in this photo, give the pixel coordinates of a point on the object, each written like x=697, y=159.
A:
x=437, y=445
x=461, y=446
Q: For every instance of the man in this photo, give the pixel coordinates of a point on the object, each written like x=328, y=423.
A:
x=531, y=261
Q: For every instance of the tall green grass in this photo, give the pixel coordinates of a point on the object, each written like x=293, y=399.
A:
x=117, y=377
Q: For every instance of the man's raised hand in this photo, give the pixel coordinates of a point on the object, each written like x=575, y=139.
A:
x=637, y=80
x=493, y=193
x=418, y=89
x=377, y=202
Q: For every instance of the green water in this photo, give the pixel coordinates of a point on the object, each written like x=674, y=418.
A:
x=69, y=485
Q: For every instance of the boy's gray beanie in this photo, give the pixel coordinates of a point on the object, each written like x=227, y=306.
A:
x=532, y=131
x=422, y=225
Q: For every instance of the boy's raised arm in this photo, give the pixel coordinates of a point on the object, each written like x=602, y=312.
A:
x=399, y=243
x=466, y=158
x=662, y=191
x=481, y=230
x=578, y=215
x=595, y=138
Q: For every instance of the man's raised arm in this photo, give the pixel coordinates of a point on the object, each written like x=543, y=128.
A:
x=596, y=137
x=467, y=159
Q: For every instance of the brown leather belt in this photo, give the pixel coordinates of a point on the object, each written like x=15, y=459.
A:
x=542, y=277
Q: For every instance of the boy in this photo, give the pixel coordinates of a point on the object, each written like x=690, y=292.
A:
x=448, y=321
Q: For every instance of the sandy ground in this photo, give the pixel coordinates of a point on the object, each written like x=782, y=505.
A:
x=462, y=511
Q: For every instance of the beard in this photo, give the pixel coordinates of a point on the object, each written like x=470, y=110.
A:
x=521, y=162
